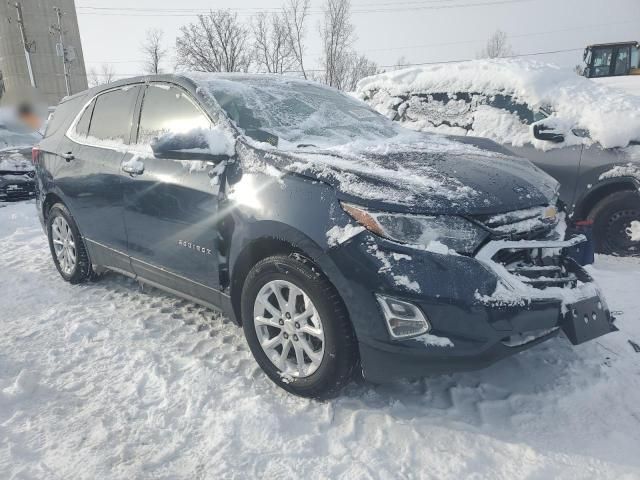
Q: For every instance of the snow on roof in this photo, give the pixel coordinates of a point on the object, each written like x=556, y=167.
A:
x=610, y=115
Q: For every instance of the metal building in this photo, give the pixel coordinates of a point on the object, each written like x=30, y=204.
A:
x=34, y=50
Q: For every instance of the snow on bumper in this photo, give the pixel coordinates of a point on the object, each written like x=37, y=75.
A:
x=537, y=279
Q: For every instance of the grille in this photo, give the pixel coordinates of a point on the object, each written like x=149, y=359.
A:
x=17, y=192
x=535, y=267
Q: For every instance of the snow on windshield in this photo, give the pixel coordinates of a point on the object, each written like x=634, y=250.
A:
x=297, y=112
x=610, y=116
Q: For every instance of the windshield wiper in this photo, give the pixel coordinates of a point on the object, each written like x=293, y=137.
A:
x=307, y=145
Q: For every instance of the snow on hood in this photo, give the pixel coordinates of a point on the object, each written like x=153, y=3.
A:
x=611, y=116
x=437, y=175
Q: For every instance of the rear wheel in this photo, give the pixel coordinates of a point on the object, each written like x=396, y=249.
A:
x=67, y=246
x=297, y=327
x=616, y=224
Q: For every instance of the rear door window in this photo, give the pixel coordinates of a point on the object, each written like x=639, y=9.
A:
x=113, y=115
x=167, y=109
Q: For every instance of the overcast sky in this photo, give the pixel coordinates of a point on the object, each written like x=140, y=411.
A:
x=419, y=30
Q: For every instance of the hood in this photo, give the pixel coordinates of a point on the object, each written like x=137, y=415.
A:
x=441, y=175
x=14, y=160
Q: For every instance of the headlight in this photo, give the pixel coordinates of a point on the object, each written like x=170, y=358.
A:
x=454, y=232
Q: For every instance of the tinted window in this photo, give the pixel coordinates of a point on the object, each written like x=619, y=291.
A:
x=622, y=61
x=168, y=110
x=635, y=58
x=113, y=115
x=506, y=102
x=601, y=62
x=82, y=127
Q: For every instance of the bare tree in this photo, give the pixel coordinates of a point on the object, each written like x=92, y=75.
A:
x=217, y=42
x=359, y=68
x=295, y=13
x=497, y=46
x=101, y=76
x=273, y=50
x=401, y=63
x=337, y=37
x=153, y=51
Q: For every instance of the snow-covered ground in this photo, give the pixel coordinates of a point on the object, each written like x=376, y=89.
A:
x=629, y=83
x=106, y=380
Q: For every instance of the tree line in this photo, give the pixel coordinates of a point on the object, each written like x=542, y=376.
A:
x=220, y=41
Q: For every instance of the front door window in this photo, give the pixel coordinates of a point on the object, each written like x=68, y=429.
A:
x=601, y=62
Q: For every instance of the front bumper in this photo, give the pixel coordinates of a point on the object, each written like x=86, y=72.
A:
x=480, y=309
x=17, y=190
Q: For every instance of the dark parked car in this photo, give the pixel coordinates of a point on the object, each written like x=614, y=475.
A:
x=340, y=241
x=585, y=135
x=16, y=169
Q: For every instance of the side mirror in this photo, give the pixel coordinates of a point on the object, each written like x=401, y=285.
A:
x=548, y=134
x=185, y=146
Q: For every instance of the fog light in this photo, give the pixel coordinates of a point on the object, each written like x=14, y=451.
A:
x=404, y=320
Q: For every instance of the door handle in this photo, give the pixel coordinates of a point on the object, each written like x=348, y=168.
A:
x=135, y=167
x=68, y=156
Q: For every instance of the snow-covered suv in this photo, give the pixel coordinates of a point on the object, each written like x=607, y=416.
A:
x=586, y=135
x=340, y=241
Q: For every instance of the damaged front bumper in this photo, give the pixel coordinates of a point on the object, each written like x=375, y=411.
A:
x=546, y=272
x=511, y=296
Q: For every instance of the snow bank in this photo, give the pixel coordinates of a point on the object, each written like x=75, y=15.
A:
x=611, y=116
x=629, y=84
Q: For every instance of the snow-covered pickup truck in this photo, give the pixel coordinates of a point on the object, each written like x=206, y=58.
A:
x=584, y=134
x=16, y=169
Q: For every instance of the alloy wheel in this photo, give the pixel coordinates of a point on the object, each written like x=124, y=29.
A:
x=64, y=245
x=289, y=328
x=619, y=230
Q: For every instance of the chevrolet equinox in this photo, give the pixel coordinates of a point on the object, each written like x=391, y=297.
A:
x=338, y=240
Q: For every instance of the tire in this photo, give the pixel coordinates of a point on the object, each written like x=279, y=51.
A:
x=80, y=270
x=319, y=379
x=612, y=218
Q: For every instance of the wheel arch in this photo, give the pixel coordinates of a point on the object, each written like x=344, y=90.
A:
x=601, y=191
x=50, y=200
x=266, y=239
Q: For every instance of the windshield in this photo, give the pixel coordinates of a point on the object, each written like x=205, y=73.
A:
x=298, y=113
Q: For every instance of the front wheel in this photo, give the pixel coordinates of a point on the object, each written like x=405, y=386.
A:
x=67, y=246
x=616, y=224
x=297, y=327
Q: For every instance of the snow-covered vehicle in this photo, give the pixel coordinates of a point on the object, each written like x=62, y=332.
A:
x=340, y=241
x=16, y=169
x=584, y=134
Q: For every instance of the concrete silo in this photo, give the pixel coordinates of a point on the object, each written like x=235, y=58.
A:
x=33, y=51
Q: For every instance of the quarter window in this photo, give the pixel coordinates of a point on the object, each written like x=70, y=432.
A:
x=82, y=127
x=113, y=115
x=167, y=109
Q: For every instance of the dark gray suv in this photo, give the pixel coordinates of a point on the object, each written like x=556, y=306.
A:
x=340, y=241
